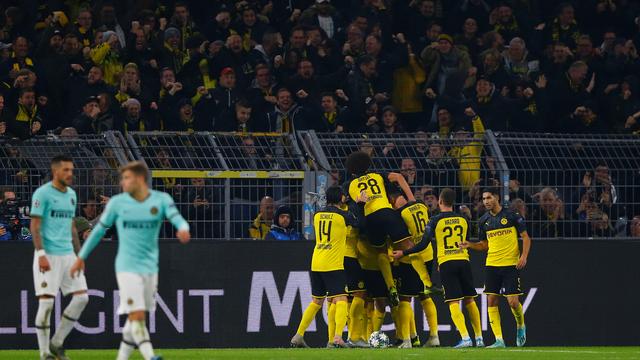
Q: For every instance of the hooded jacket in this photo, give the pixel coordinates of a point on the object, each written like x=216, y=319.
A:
x=280, y=233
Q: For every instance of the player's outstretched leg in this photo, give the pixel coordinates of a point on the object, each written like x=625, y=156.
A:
x=69, y=317
x=518, y=314
x=43, y=326
x=385, y=269
x=309, y=314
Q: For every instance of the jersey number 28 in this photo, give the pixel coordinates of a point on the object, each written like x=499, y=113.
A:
x=371, y=184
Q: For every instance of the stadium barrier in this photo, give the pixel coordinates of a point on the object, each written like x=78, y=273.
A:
x=252, y=294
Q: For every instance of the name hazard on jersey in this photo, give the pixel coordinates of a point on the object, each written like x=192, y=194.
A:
x=499, y=232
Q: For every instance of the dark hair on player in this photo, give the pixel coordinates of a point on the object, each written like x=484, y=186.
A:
x=334, y=195
x=492, y=190
x=447, y=196
x=138, y=168
x=358, y=162
x=56, y=160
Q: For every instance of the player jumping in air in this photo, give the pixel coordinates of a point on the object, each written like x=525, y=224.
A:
x=328, y=279
x=382, y=221
x=138, y=214
x=450, y=230
x=56, y=240
x=498, y=234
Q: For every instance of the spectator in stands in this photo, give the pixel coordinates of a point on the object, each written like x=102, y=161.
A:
x=226, y=93
x=239, y=120
x=468, y=149
x=261, y=225
x=86, y=122
x=408, y=171
x=199, y=205
x=107, y=56
x=28, y=120
x=287, y=116
x=438, y=168
x=443, y=59
x=390, y=120
x=78, y=87
x=516, y=60
x=283, y=227
x=19, y=60
x=570, y=92
x=359, y=84
x=136, y=120
x=334, y=117
x=547, y=219
x=430, y=198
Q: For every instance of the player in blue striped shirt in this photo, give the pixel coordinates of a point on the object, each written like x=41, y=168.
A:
x=138, y=214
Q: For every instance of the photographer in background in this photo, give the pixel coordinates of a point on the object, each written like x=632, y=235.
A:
x=14, y=224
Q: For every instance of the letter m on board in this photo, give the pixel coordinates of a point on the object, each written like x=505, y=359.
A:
x=263, y=284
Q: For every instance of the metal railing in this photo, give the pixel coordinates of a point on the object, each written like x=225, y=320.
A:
x=569, y=186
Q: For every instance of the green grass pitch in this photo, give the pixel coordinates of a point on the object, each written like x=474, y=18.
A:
x=546, y=353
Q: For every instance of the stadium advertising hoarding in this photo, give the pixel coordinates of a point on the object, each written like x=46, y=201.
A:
x=252, y=294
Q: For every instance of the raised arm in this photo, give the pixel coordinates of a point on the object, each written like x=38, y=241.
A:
x=402, y=182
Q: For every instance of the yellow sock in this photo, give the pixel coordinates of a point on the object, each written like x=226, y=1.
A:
x=458, y=319
x=349, y=319
x=420, y=267
x=331, y=318
x=474, y=316
x=364, y=326
x=385, y=269
x=341, y=317
x=377, y=320
x=370, y=315
x=413, y=331
x=307, y=317
x=518, y=313
x=356, y=317
x=394, y=317
x=494, y=320
x=404, y=320
x=431, y=314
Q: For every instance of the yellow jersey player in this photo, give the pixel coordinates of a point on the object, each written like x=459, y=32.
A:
x=356, y=284
x=449, y=230
x=382, y=221
x=415, y=216
x=498, y=230
x=327, y=265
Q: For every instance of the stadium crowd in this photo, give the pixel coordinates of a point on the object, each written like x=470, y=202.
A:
x=442, y=69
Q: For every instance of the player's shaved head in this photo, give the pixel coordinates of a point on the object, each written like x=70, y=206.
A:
x=447, y=197
x=358, y=163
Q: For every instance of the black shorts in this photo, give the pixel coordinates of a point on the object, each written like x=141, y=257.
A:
x=386, y=223
x=354, y=274
x=328, y=283
x=407, y=280
x=376, y=288
x=457, y=280
x=429, y=266
x=502, y=280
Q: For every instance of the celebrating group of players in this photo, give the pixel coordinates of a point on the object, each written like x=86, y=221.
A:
x=375, y=246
